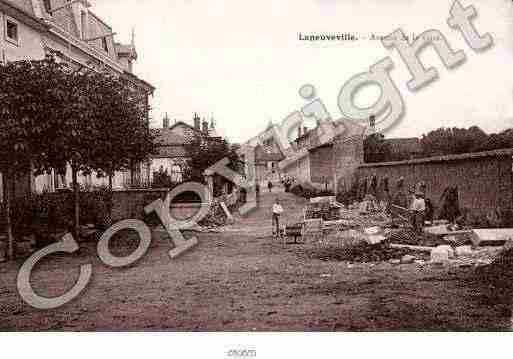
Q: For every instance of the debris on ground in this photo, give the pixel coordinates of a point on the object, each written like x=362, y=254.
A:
x=412, y=248
x=442, y=254
x=374, y=235
x=363, y=253
x=366, y=232
x=445, y=229
x=216, y=216
x=463, y=251
x=408, y=236
x=408, y=259
x=491, y=236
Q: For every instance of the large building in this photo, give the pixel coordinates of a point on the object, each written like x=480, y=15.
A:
x=73, y=33
x=172, y=140
x=321, y=163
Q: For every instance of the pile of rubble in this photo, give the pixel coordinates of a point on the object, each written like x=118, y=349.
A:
x=460, y=248
x=366, y=253
x=364, y=232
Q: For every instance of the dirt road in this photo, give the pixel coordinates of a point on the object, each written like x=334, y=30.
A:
x=243, y=280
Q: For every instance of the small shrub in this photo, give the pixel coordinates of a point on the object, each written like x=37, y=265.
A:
x=49, y=213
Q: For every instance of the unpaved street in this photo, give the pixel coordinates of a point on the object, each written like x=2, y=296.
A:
x=243, y=280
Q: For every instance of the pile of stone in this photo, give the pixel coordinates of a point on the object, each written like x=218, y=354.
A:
x=367, y=253
x=218, y=216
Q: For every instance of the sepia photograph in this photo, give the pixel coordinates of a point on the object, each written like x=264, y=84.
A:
x=309, y=168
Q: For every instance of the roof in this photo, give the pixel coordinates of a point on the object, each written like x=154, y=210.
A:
x=181, y=123
x=345, y=129
x=170, y=151
x=135, y=78
x=460, y=157
x=167, y=137
x=314, y=148
x=270, y=157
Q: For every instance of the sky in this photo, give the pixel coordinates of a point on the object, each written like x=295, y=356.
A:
x=242, y=61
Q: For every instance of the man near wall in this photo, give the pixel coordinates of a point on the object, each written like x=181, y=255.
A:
x=418, y=208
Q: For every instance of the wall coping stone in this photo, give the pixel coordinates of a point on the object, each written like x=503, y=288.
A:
x=459, y=157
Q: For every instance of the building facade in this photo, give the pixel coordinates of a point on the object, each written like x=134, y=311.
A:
x=73, y=33
x=324, y=164
x=172, y=140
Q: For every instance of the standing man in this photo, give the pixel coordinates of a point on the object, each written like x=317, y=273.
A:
x=270, y=186
x=277, y=211
x=418, y=208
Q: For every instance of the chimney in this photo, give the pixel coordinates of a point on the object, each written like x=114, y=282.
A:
x=372, y=123
x=205, y=127
x=165, y=121
x=299, y=131
x=196, y=122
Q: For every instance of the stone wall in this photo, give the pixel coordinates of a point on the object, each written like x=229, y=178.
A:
x=348, y=153
x=484, y=179
x=321, y=165
x=130, y=204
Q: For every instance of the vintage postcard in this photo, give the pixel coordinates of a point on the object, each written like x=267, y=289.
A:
x=315, y=166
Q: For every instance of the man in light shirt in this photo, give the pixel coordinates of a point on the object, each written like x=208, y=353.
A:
x=418, y=208
x=277, y=211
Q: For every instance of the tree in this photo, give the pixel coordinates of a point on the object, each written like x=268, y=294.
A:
x=53, y=115
x=30, y=96
x=375, y=148
x=105, y=128
x=498, y=141
x=204, y=152
x=120, y=120
x=446, y=141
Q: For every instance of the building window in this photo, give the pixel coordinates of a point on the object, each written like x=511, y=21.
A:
x=48, y=6
x=104, y=44
x=11, y=31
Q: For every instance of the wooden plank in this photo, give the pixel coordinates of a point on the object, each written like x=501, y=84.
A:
x=227, y=212
x=326, y=199
x=443, y=231
x=413, y=248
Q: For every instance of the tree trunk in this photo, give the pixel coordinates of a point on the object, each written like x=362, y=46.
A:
x=8, y=222
x=30, y=180
x=110, y=204
x=76, y=193
x=131, y=174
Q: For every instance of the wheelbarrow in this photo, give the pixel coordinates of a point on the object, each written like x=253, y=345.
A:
x=294, y=231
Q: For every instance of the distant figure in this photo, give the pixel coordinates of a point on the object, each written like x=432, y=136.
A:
x=277, y=211
x=430, y=210
x=257, y=190
x=270, y=186
x=400, y=198
x=450, y=208
x=386, y=196
x=373, y=190
x=362, y=189
x=418, y=208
